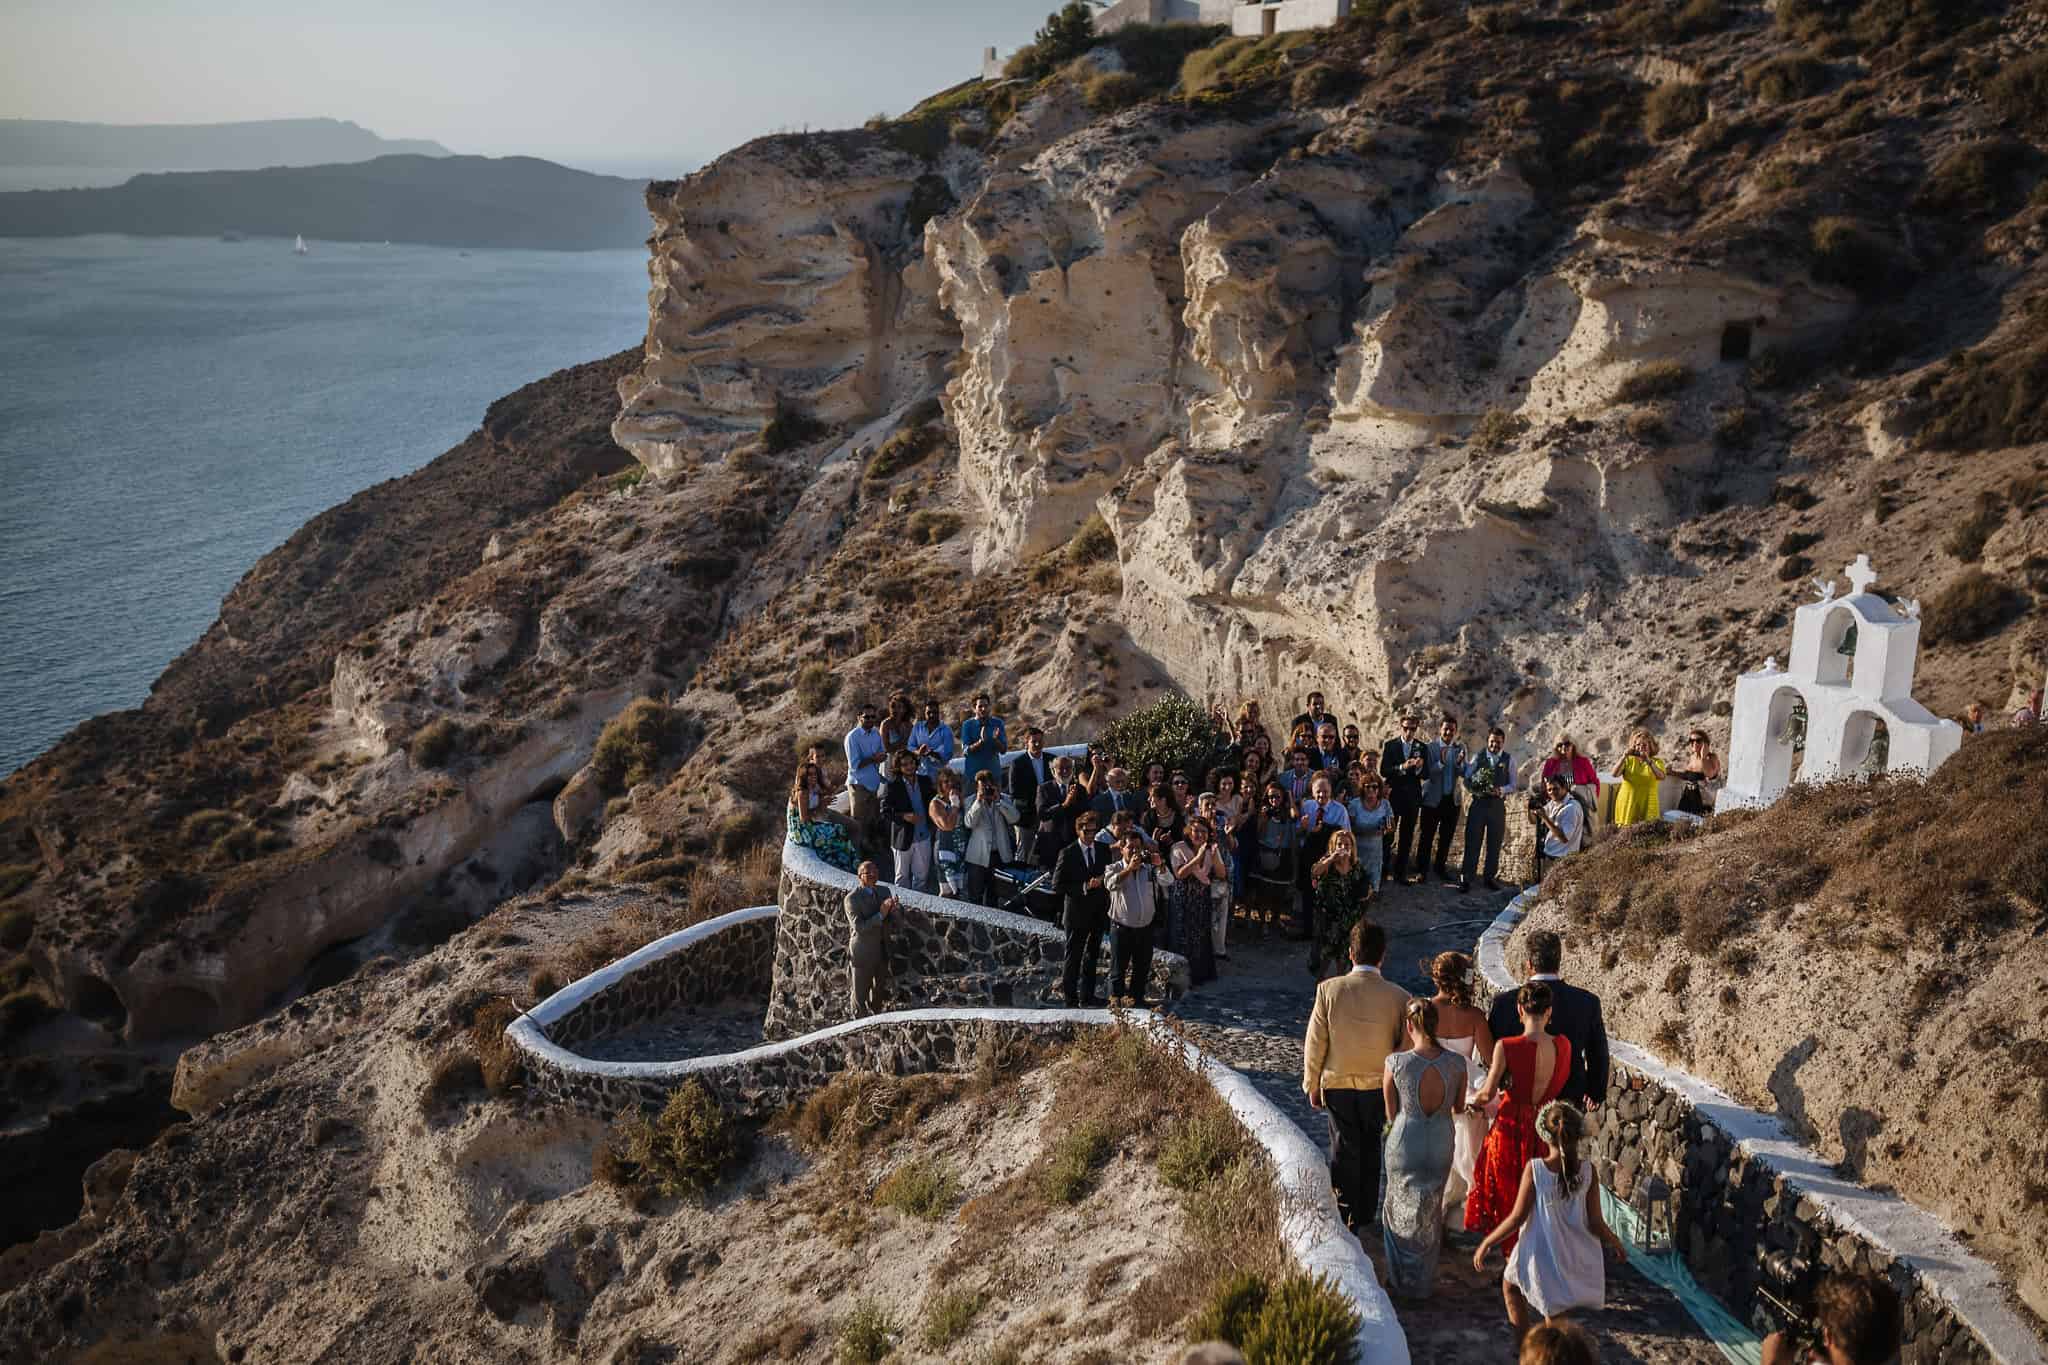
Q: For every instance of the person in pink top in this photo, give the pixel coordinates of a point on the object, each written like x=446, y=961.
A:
x=1579, y=773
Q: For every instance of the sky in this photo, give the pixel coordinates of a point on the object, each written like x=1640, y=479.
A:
x=620, y=86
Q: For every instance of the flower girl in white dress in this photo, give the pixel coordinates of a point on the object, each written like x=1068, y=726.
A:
x=1556, y=1265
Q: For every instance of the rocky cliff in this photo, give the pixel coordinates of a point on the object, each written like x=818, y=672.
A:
x=1524, y=361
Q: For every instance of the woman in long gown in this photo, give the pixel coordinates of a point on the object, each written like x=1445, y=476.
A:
x=1526, y=1074
x=1641, y=770
x=1425, y=1088
x=1461, y=1027
x=1194, y=864
x=1555, y=1265
x=1341, y=891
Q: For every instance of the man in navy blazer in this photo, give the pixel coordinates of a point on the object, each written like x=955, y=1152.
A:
x=1079, y=874
x=1574, y=1013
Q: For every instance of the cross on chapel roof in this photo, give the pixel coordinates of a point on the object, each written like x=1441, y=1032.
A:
x=1860, y=574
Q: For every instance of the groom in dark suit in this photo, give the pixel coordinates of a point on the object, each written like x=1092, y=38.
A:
x=1079, y=874
x=1574, y=1013
x=1402, y=764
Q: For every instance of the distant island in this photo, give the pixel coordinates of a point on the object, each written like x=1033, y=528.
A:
x=199, y=146
x=513, y=201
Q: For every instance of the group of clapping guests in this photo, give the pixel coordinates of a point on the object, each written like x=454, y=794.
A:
x=1300, y=836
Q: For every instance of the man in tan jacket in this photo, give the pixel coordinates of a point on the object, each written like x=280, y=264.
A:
x=1356, y=1023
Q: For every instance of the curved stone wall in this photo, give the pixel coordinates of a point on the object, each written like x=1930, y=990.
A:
x=764, y=1079
x=1754, y=1209
x=730, y=956
x=942, y=952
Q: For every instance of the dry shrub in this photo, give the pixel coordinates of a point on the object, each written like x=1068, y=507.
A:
x=863, y=1109
x=1965, y=540
x=816, y=686
x=1674, y=108
x=923, y=1187
x=455, y=1073
x=634, y=743
x=906, y=449
x=784, y=1341
x=435, y=743
x=2020, y=92
x=1656, y=379
x=682, y=1151
x=1983, y=401
x=1093, y=543
x=1974, y=606
x=1845, y=252
x=1926, y=877
x=948, y=1316
x=1108, y=91
x=499, y=1061
x=1782, y=80
x=1496, y=429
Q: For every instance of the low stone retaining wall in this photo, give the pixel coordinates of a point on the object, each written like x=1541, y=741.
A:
x=731, y=956
x=941, y=952
x=1747, y=1207
x=762, y=1080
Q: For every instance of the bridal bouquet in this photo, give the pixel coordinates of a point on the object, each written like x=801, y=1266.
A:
x=1484, y=781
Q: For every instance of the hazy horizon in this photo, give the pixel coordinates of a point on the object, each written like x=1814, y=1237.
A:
x=622, y=87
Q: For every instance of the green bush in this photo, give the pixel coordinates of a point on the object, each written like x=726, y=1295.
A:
x=1173, y=730
x=633, y=744
x=1154, y=52
x=17, y=927
x=1304, y=1321
x=1066, y=34
x=1781, y=80
x=2020, y=93
x=816, y=686
x=948, y=1316
x=1845, y=254
x=1199, y=1149
x=1068, y=1175
x=1658, y=379
x=923, y=1187
x=1232, y=1310
x=434, y=743
x=1092, y=544
x=1109, y=91
x=908, y=447
x=684, y=1149
x=1210, y=67
x=1674, y=108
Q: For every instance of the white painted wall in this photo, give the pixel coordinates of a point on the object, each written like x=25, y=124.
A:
x=1289, y=16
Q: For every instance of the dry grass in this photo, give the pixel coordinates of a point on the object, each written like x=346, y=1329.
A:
x=1974, y=606
x=711, y=889
x=498, y=1060
x=1895, y=853
x=1672, y=109
x=1656, y=379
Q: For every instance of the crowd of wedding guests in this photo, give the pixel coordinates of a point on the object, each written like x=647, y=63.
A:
x=1297, y=837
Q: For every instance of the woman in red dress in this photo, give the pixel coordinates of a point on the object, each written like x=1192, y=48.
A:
x=1526, y=1074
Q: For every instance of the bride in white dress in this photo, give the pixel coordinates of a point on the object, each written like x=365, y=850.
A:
x=1556, y=1264
x=1461, y=1028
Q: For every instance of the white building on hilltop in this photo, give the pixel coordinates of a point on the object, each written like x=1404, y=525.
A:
x=1845, y=705
x=1256, y=19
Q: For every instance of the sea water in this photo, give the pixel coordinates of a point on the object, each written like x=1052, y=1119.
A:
x=173, y=408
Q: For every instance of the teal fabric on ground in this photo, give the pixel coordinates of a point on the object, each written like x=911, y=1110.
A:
x=1663, y=1268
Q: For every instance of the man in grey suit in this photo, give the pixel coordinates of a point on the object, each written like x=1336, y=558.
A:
x=869, y=907
x=1446, y=764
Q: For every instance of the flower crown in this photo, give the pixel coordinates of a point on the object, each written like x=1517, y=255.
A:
x=1550, y=1122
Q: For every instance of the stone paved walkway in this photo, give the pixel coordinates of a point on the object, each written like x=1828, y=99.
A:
x=1254, y=1017
x=705, y=1031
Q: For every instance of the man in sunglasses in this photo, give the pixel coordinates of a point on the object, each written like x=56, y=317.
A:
x=1403, y=764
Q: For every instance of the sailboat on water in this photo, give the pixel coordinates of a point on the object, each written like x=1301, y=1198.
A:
x=299, y=246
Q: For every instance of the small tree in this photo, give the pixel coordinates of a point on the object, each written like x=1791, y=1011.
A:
x=1069, y=31
x=1172, y=730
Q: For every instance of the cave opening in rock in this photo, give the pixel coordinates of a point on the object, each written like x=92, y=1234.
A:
x=1735, y=341
x=94, y=999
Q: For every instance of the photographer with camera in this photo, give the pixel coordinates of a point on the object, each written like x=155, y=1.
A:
x=1855, y=1321
x=1132, y=905
x=1560, y=821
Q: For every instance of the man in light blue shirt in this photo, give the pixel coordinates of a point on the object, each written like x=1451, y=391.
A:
x=931, y=739
x=982, y=740
x=1489, y=777
x=864, y=754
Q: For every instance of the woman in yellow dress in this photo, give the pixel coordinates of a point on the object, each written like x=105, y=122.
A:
x=1635, y=799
